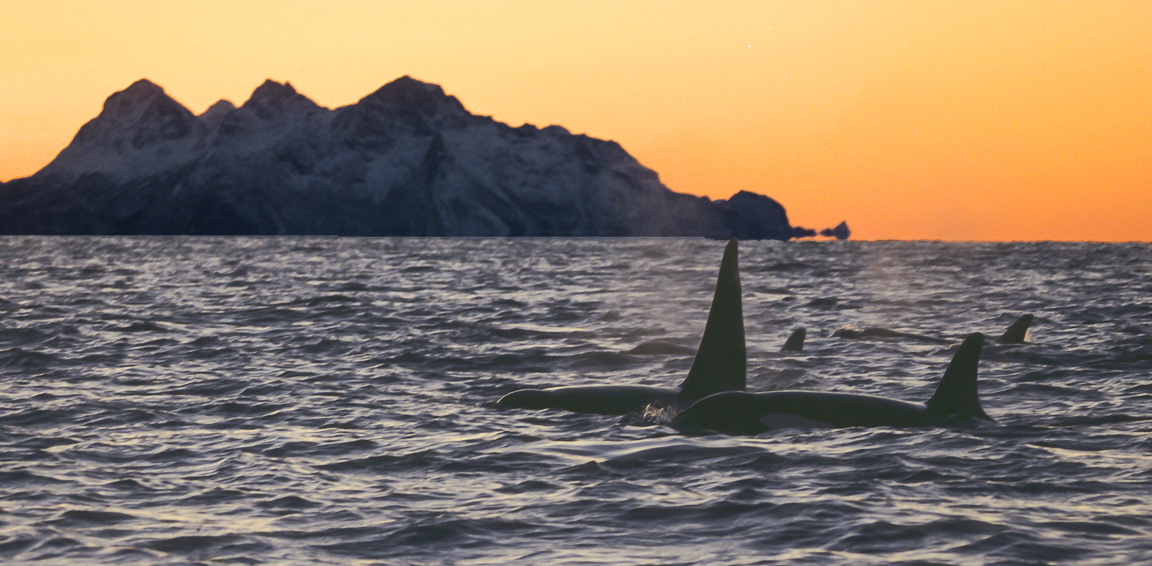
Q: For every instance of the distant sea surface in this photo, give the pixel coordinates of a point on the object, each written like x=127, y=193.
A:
x=331, y=401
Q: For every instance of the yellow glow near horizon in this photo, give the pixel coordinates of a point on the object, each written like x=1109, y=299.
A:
x=971, y=120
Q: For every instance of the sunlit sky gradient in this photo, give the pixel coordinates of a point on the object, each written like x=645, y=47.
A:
x=955, y=120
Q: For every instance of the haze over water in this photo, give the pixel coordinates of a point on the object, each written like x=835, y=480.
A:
x=330, y=401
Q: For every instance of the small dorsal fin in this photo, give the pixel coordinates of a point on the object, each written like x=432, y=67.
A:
x=956, y=394
x=795, y=342
x=1017, y=332
x=721, y=360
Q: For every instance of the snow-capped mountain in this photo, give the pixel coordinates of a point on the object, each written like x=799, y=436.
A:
x=406, y=160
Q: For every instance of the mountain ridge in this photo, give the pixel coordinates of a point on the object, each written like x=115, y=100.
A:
x=405, y=160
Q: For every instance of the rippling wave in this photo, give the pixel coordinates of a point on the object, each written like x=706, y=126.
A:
x=331, y=400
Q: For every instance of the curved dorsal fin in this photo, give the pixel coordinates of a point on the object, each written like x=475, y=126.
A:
x=956, y=394
x=721, y=360
x=795, y=342
x=1017, y=332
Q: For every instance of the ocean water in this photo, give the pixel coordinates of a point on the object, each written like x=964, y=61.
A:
x=331, y=401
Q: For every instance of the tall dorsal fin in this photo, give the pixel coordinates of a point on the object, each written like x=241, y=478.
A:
x=795, y=342
x=956, y=394
x=1017, y=332
x=721, y=360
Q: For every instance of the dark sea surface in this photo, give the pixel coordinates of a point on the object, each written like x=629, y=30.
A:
x=332, y=401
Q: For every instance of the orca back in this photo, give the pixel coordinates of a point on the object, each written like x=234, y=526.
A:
x=1016, y=333
x=956, y=394
x=721, y=360
x=795, y=342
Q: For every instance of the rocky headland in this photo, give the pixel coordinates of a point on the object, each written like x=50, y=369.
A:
x=406, y=160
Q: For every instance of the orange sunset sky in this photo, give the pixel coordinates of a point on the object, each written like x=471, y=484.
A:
x=954, y=120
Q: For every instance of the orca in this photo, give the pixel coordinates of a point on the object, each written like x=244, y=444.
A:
x=1015, y=334
x=739, y=413
x=720, y=363
x=880, y=332
x=660, y=348
x=795, y=342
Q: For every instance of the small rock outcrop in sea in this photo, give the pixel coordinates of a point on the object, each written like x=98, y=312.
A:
x=802, y=232
x=840, y=232
x=406, y=160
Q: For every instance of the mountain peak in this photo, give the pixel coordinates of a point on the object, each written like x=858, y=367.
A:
x=138, y=115
x=136, y=95
x=271, y=89
x=220, y=106
x=407, y=93
x=143, y=87
x=407, y=84
x=272, y=99
x=218, y=110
